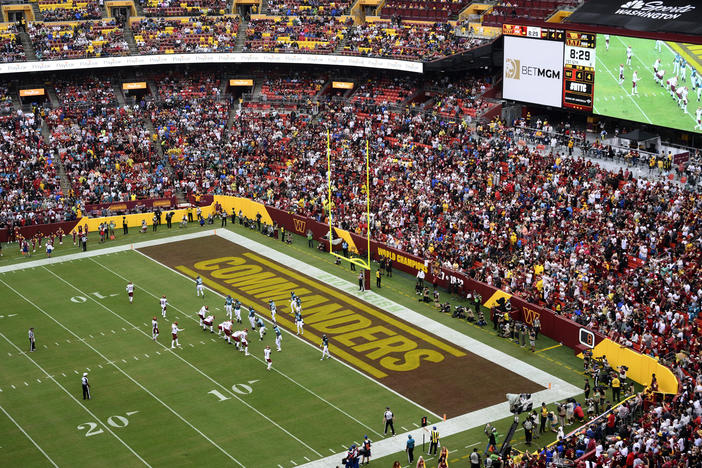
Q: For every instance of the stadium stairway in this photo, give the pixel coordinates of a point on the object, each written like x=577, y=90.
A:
x=117, y=88
x=53, y=98
x=241, y=36
x=129, y=37
x=37, y=12
x=60, y=170
x=27, y=44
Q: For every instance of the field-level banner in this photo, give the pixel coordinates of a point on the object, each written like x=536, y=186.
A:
x=46, y=230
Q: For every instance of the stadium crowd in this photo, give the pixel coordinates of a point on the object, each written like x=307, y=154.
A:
x=184, y=35
x=407, y=41
x=319, y=34
x=57, y=41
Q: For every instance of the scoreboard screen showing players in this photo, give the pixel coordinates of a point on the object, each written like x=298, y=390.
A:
x=649, y=81
x=533, y=65
x=579, y=70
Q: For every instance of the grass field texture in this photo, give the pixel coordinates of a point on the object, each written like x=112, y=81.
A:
x=653, y=104
x=202, y=404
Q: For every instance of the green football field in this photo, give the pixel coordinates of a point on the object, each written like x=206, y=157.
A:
x=653, y=104
x=204, y=403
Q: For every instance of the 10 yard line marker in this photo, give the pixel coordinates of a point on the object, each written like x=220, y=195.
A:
x=28, y=436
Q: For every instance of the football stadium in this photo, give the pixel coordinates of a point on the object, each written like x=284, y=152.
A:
x=310, y=233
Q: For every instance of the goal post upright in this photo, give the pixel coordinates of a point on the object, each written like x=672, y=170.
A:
x=365, y=264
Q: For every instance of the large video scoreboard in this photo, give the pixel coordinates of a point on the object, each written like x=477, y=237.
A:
x=651, y=81
x=532, y=56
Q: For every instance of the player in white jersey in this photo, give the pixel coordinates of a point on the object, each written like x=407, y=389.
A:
x=672, y=83
x=199, y=287
x=293, y=300
x=240, y=341
x=683, y=71
x=278, y=337
x=237, y=311
x=267, y=357
x=271, y=305
x=226, y=327
x=202, y=313
x=698, y=117
x=228, y=305
x=299, y=323
x=621, y=73
x=699, y=88
x=634, y=81
x=659, y=45
x=656, y=66
x=130, y=291
x=154, y=329
x=209, y=320
x=629, y=54
x=174, y=335
x=659, y=77
x=681, y=94
x=164, y=305
x=606, y=37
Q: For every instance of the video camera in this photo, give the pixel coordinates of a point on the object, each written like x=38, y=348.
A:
x=519, y=402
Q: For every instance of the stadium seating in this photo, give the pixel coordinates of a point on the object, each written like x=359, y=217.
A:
x=294, y=87
x=308, y=7
x=56, y=41
x=513, y=10
x=184, y=7
x=88, y=92
x=55, y=10
x=11, y=49
x=30, y=191
x=407, y=41
x=304, y=34
x=183, y=35
x=432, y=10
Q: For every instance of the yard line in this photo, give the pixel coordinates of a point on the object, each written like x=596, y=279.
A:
x=115, y=365
x=76, y=400
x=28, y=436
x=255, y=357
x=195, y=368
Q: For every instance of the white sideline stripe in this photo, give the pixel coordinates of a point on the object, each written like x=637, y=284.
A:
x=105, y=251
x=115, y=365
x=308, y=344
x=28, y=436
x=193, y=367
x=76, y=400
x=189, y=316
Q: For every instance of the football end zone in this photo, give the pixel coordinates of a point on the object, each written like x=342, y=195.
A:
x=390, y=344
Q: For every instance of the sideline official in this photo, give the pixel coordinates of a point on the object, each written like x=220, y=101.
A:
x=86, y=386
x=32, y=343
x=434, y=441
x=389, y=420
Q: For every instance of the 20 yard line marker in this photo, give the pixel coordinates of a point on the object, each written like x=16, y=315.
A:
x=28, y=436
x=72, y=397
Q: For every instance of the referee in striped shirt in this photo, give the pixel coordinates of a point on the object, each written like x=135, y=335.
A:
x=86, y=386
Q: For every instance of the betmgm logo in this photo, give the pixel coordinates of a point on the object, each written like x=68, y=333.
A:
x=512, y=68
x=515, y=70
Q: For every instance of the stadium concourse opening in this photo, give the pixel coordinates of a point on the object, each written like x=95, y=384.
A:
x=419, y=365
